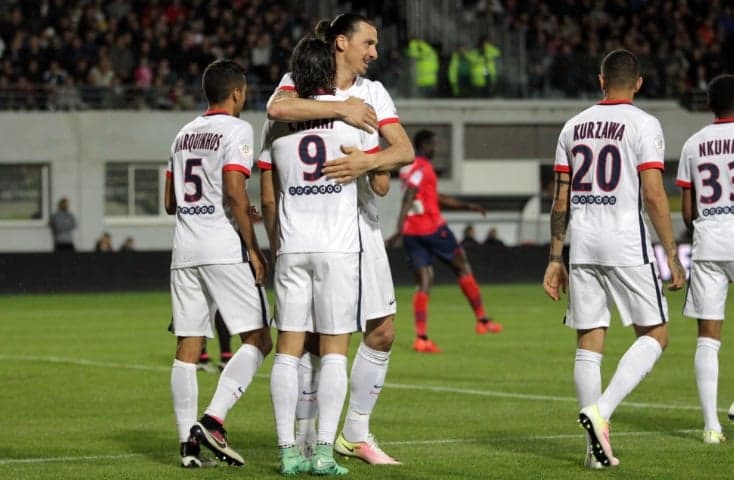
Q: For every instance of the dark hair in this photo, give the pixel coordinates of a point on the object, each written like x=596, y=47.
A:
x=220, y=78
x=620, y=69
x=720, y=95
x=313, y=67
x=422, y=137
x=343, y=24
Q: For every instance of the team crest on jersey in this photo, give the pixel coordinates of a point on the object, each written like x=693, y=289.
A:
x=659, y=143
x=245, y=151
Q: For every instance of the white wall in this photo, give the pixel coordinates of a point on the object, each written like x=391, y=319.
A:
x=77, y=146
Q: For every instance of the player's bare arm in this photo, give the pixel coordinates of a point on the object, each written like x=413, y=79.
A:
x=380, y=182
x=447, y=201
x=688, y=207
x=285, y=106
x=169, y=199
x=656, y=205
x=268, y=196
x=405, y=206
x=236, y=197
x=356, y=162
x=555, y=279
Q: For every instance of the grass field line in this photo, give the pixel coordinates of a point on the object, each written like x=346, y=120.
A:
x=68, y=459
x=403, y=386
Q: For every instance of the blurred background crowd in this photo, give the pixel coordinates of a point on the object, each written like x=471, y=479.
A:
x=89, y=54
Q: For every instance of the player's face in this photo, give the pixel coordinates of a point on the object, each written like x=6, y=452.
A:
x=360, y=48
x=240, y=94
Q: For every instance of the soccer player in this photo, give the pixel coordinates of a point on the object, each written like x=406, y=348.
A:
x=608, y=165
x=705, y=176
x=369, y=106
x=425, y=235
x=216, y=259
x=317, y=269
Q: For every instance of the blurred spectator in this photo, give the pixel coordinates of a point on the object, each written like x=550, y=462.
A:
x=460, y=71
x=67, y=96
x=469, y=240
x=489, y=53
x=492, y=240
x=425, y=66
x=128, y=245
x=104, y=243
x=62, y=223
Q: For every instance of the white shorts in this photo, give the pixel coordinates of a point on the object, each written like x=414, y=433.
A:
x=378, y=293
x=707, y=289
x=196, y=291
x=637, y=292
x=317, y=292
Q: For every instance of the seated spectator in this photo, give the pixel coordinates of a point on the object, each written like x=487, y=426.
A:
x=128, y=245
x=104, y=243
x=492, y=239
x=469, y=240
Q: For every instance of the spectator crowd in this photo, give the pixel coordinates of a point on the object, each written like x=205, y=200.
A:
x=76, y=54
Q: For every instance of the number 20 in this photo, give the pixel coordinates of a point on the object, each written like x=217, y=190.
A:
x=605, y=182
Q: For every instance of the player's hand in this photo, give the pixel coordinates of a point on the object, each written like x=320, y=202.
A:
x=393, y=240
x=345, y=169
x=255, y=215
x=555, y=280
x=259, y=266
x=677, y=273
x=359, y=114
x=475, y=207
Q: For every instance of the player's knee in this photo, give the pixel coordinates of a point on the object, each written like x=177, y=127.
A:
x=382, y=336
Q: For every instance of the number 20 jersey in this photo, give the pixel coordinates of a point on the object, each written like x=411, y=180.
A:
x=604, y=148
x=315, y=214
x=202, y=151
x=707, y=166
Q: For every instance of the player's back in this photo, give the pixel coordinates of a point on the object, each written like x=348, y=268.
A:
x=707, y=167
x=424, y=216
x=201, y=152
x=605, y=148
x=315, y=213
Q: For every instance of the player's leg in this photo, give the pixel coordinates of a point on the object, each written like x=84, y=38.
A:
x=446, y=248
x=706, y=301
x=587, y=378
x=190, y=325
x=225, y=340
x=308, y=387
x=243, y=308
x=369, y=370
x=419, y=260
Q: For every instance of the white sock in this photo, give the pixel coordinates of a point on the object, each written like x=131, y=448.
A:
x=307, y=408
x=284, y=394
x=332, y=391
x=234, y=380
x=636, y=362
x=587, y=379
x=369, y=370
x=185, y=393
x=706, y=363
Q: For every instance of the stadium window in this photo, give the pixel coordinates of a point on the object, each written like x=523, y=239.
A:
x=24, y=192
x=134, y=189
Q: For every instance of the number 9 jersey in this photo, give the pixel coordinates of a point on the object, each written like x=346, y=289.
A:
x=202, y=151
x=604, y=148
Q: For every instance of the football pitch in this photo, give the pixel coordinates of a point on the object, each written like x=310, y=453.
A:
x=85, y=395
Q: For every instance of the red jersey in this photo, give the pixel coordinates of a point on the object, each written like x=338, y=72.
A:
x=424, y=216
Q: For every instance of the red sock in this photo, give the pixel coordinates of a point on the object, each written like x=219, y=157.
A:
x=471, y=291
x=420, y=312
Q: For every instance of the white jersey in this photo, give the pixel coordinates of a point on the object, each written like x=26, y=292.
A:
x=706, y=166
x=205, y=231
x=375, y=95
x=604, y=148
x=315, y=214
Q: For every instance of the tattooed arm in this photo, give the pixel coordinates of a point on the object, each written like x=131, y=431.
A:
x=556, y=276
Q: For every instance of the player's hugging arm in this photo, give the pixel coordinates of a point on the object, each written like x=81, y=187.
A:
x=268, y=196
x=285, y=106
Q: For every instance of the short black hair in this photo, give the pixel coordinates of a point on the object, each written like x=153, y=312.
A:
x=343, y=24
x=422, y=137
x=620, y=69
x=720, y=95
x=313, y=67
x=220, y=78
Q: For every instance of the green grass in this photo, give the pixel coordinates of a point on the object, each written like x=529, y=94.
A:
x=85, y=395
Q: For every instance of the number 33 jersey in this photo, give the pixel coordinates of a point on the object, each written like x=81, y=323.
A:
x=604, y=149
x=202, y=151
x=707, y=166
x=315, y=214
